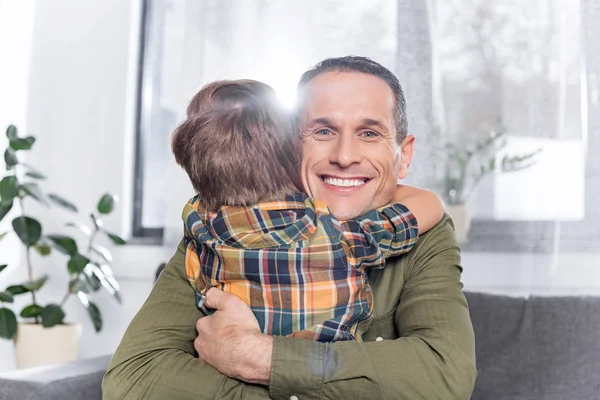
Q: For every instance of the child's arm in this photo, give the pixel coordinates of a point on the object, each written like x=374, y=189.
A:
x=426, y=206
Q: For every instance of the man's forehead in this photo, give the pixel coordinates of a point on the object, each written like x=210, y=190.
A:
x=338, y=92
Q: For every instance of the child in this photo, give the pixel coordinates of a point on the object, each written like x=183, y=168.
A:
x=252, y=232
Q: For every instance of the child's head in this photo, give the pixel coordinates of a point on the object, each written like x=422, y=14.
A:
x=238, y=145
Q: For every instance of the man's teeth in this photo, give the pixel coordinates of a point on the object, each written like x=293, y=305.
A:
x=343, y=182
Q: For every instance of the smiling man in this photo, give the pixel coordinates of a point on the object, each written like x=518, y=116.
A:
x=420, y=344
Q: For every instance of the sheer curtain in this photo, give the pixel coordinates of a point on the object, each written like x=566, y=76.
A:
x=522, y=68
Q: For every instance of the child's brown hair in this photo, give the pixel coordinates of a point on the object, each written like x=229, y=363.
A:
x=238, y=145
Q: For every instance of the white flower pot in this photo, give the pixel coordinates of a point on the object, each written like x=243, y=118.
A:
x=462, y=221
x=36, y=345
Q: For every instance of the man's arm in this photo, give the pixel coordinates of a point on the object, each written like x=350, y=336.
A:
x=434, y=358
x=155, y=359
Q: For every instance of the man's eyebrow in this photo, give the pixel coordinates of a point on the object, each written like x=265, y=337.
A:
x=320, y=121
x=373, y=122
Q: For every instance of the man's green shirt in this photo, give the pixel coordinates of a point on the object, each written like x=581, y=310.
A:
x=420, y=344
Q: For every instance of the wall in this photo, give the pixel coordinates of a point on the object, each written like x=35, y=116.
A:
x=79, y=104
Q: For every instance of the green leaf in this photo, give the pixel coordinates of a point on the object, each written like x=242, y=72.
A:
x=80, y=284
x=106, y=203
x=64, y=244
x=119, y=241
x=52, y=315
x=35, y=174
x=59, y=201
x=77, y=263
x=33, y=190
x=6, y=297
x=17, y=289
x=27, y=229
x=9, y=189
x=31, y=311
x=36, y=284
x=43, y=249
x=22, y=143
x=10, y=157
x=4, y=210
x=12, y=132
x=83, y=228
x=106, y=278
x=92, y=279
x=2, y=235
x=102, y=252
x=8, y=323
x=92, y=309
x=3, y=266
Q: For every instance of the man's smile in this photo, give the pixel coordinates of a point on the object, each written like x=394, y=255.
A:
x=344, y=183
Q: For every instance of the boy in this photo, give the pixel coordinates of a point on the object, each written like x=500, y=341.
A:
x=252, y=232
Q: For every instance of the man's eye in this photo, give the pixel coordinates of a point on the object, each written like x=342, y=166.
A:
x=323, y=132
x=370, y=134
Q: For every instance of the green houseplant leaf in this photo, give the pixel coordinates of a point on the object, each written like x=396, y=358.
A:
x=43, y=249
x=83, y=228
x=35, y=174
x=4, y=210
x=64, y=244
x=9, y=189
x=117, y=240
x=77, y=263
x=6, y=297
x=3, y=266
x=12, y=132
x=10, y=158
x=33, y=190
x=52, y=315
x=8, y=323
x=27, y=229
x=106, y=204
x=31, y=311
x=59, y=201
x=92, y=309
x=35, y=284
x=17, y=289
x=104, y=274
x=22, y=143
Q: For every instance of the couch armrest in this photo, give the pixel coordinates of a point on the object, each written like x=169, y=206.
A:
x=81, y=379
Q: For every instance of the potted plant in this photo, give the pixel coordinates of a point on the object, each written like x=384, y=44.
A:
x=42, y=336
x=467, y=165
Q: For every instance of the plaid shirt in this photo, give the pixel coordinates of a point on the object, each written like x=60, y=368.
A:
x=300, y=270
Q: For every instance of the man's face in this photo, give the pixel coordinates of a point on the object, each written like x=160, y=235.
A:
x=351, y=158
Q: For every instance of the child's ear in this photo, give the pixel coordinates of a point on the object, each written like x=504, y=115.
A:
x=406, y=150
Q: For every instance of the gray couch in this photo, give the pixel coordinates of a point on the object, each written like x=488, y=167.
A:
x=545, y=348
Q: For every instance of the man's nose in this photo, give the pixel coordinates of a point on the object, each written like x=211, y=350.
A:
x=345, y=152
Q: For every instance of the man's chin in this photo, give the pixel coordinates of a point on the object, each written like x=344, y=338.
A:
x=343, y=213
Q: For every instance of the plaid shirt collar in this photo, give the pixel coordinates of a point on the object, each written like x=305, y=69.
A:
x=267, y=224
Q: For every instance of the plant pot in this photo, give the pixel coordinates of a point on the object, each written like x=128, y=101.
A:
x=462, y=221
x=36, y=345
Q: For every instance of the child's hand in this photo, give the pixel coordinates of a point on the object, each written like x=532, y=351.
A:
x=426, y=206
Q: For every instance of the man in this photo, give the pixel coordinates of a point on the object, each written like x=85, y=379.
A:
x=420, y=345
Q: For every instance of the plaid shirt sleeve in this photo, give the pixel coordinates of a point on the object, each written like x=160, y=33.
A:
x=386, y=232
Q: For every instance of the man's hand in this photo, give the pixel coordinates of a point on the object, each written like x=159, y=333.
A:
x=230, y=340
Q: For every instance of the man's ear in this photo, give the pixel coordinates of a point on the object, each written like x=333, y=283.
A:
x=406, y=149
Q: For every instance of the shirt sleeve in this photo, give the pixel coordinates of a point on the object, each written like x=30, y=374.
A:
x=380, y=234
x=156, y=357
x=434, y=357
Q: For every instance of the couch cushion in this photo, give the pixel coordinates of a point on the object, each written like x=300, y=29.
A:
x=79, y=379
x=536, y=348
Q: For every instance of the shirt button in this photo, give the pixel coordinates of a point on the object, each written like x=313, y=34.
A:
x=379, y=339
x=293, y=397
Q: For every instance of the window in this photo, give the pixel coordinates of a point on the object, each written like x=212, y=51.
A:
x=520, y=68
x=187, y=44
